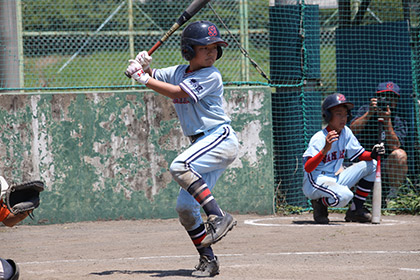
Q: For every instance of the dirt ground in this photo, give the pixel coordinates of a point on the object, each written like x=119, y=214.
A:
x=259, y=247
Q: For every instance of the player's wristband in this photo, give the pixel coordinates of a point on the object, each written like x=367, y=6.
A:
x=141, y=77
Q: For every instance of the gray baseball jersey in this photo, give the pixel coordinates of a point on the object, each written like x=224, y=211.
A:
x=203, y=109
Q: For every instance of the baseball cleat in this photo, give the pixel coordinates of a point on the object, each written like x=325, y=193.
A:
x=320, y=212
x=361, y=215
x=206, y=268
x=217, y=228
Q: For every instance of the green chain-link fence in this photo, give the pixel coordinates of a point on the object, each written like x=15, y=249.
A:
x=308, y=49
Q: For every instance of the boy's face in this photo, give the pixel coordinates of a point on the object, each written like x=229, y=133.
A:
x=338, y=117
x=205, y=56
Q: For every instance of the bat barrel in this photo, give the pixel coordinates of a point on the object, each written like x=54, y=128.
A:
x=377, y=194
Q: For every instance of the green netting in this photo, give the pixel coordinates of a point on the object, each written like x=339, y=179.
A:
x=348, y=48
x=84, y=43
x=308, y=49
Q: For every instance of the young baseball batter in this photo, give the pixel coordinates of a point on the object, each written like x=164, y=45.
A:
x=323, y=183
x=197, y=93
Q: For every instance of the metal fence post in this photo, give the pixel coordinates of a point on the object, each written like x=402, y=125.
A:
x=131, y=31
x=243, y=10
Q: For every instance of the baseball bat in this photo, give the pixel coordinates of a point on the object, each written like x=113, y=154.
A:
x=377, y=185
x=191, y=10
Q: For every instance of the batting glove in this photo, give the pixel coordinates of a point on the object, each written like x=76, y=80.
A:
x=144, y=59
x=137, y=72
x=378, y=149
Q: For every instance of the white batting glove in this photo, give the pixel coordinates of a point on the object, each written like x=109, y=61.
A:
x=144, y=59
x=137, y=72
x=133, y=67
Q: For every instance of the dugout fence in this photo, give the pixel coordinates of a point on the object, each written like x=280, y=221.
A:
x=309, y=49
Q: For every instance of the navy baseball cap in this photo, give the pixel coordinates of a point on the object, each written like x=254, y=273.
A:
x=388, y=86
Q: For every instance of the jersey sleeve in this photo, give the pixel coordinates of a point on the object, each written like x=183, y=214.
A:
x=208, y=81
x=353, y=147
x=167, y=74
x=315, y=145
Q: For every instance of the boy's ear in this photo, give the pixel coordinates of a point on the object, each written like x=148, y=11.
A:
x=188, y=52
x=219, y=52
x=326, y=115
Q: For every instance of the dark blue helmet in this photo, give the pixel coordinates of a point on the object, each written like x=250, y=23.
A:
x=201, y=33
x=332, y=101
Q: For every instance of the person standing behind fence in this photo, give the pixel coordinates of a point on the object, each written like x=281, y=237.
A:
x=327, y=149
x=196, y=90
x=365, y=127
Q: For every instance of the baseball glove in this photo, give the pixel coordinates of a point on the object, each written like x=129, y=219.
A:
x=23, y=197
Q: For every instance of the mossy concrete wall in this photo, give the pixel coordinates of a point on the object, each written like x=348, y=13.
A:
x=106, y=155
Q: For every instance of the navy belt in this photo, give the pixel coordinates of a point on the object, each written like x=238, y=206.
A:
x=194, y=138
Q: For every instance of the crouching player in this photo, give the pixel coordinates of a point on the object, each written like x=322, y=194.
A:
x=323, y=184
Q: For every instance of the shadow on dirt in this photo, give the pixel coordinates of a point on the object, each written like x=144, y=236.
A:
x=152, y=273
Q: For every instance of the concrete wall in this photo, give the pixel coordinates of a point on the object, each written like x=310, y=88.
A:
x=106, y=155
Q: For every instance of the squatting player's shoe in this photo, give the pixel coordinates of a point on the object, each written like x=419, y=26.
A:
x=217, y=228
x=320, y=212
x=206, y=268
x=361, y=215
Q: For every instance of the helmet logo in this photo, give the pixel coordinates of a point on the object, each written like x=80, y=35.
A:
x=341, y=97
x=390, y=86
x=212, y=30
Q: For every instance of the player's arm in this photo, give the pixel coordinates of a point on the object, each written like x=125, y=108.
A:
x=378, y=149
x=313, y=162
x=166, y=89
x=12, y=219
x=9, y=219
x=143, y=76
x=366, y=156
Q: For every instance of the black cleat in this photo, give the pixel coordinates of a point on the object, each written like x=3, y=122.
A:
x=206, y=268
x=361, y=215
x=320, y=212
x=217, y=228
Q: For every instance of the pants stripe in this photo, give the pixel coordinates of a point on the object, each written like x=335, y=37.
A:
x=209, y=147
x=325, y=190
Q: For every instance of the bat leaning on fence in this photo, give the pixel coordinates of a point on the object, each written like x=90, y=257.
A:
x=192, y=9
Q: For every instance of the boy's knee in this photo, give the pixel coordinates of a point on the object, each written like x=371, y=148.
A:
x=177, y=168
x=345, y=197
x=186, y=217
x=182, y=174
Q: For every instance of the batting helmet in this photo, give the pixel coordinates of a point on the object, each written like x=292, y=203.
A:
x=201, y=33
x=332, y=101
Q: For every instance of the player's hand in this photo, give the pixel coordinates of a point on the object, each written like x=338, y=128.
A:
x=331, y=137
x=137, y=72
x=378, y=149
x=144, y=59
x=133, y=67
